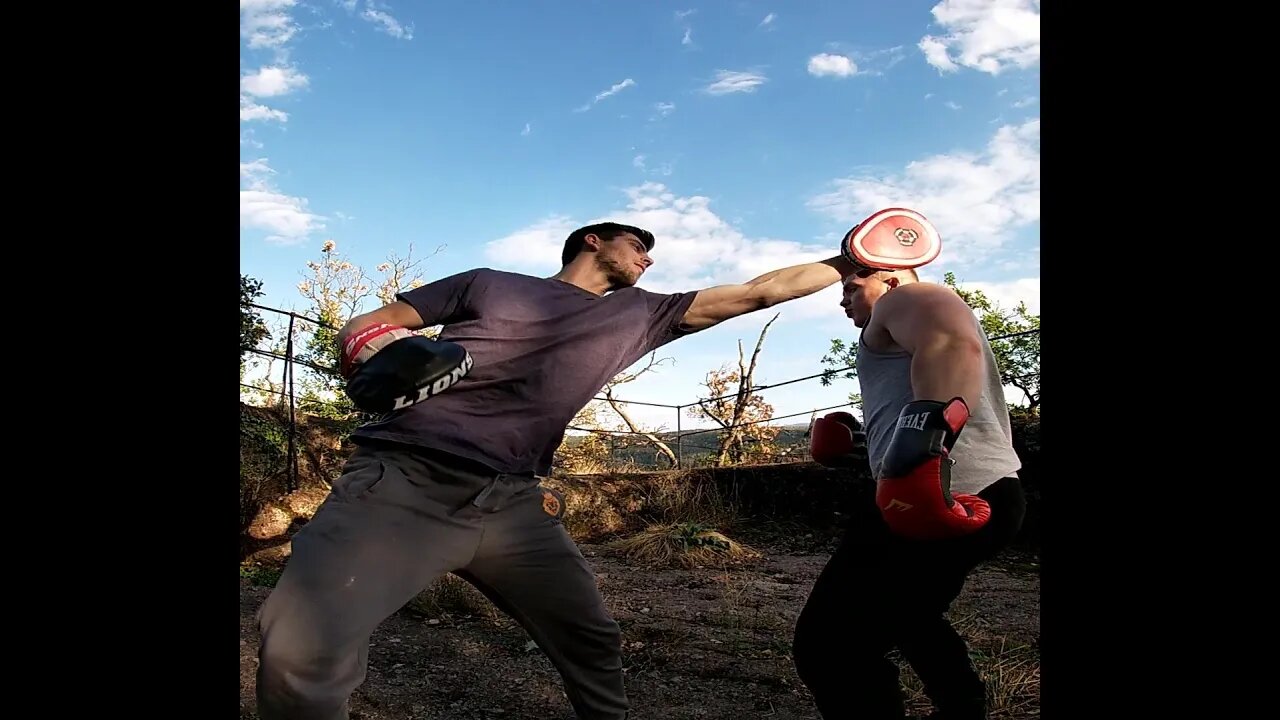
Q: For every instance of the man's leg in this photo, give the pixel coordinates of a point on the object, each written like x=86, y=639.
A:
x=376, y=542
x=937, y=653
x=845, y=631
x=530, y=568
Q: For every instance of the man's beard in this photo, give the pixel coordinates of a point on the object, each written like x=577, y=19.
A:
x=614, y=273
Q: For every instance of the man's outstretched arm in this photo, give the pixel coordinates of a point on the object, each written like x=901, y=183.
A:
x=717, y=304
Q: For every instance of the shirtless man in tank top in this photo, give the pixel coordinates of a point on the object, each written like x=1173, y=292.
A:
x=938, y=440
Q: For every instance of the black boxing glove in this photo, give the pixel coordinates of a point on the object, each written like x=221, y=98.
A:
x=390, y=368
x=837, y=440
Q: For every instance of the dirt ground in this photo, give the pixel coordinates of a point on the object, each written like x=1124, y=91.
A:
x=706, y=644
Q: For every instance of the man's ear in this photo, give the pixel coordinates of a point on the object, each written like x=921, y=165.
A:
x=592, y=241
x=892, y=282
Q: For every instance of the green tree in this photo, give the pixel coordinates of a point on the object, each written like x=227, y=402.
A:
x=1018, y=354
x=252, y=329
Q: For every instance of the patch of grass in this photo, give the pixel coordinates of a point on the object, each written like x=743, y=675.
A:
x=684, y=544
x=263, y=575
x=1010, y=670
x=451, y=595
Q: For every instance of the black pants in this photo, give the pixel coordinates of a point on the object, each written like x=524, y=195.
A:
x=880, y=592
x=397, y=520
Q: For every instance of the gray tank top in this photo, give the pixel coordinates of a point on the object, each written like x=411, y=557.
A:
x=983, y=454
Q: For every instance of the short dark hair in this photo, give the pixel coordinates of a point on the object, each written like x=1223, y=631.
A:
x=605, y=231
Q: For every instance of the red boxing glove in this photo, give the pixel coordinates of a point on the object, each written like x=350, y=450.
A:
x=913, y=487
x=837, y=440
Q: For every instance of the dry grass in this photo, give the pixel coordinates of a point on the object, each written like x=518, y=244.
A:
x=451, y=595
x=688, y=545
x=1011, y=671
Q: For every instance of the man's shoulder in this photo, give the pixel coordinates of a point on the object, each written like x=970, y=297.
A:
x=915, y=296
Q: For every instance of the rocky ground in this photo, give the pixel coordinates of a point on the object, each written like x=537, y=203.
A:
x=708, y=644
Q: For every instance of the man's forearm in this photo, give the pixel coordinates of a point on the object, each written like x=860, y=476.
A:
x=946, y=367
x=797, y=281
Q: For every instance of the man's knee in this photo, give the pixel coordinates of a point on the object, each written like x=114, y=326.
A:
x=303, y=672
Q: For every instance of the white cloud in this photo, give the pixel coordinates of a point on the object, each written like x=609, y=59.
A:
x=688, y=37
x=827, y=64
x=695, y=248
x=638, y=161
x=285, y=218
x=729, y=81
x=527, y=129
x=273, y=80
x=952, y=104
x=266, y=23
x=665, y=108
x=991, y=36
x=768, y=19
x=613, y=90
x=1026, y=102
x=975, y=199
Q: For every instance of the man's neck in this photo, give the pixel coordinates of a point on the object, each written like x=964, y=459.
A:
x=584, y=277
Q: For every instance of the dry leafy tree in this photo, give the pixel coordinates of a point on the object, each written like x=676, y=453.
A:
x=595, y=451
x=336, y=290
x=741, y=414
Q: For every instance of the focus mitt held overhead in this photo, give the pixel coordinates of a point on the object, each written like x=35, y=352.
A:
x=837, y=440
x=390, y=368
x=892, y=239
x=913, y=485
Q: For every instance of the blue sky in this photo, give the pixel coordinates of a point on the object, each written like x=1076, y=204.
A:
x=746, y=135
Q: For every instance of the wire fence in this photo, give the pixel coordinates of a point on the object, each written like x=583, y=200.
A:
x=681, y=438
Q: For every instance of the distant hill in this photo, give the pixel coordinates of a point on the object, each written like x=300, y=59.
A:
x=695, y=449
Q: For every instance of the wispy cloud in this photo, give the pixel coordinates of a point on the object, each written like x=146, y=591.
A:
x=830, y=65
x=990, y=36
x=267, y=23
x=527, y=129
x=768, y=20
x=251, y=111
x=379, y=15
x=976, y=199
x=731, y=81
x=614, y=90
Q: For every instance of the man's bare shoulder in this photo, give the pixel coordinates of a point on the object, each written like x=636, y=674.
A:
x=917, y=297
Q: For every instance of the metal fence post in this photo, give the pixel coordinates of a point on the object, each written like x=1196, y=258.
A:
x=293, y=422
x=679, y=440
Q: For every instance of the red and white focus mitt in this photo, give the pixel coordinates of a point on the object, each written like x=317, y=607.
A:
x=892, y=239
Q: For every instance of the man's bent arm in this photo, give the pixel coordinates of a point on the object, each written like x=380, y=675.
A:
x=938, y=329
x=398, y=313
x=717, y=304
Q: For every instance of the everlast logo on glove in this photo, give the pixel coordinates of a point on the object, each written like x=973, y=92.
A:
x=915, y=421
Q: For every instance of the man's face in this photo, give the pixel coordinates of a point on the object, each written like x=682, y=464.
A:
x=861, y=291
x=623, y=260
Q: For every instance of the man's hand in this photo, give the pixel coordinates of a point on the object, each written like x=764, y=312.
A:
x=837, y=441
x=913, y=483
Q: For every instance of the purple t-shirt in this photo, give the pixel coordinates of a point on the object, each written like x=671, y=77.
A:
x=542, y=349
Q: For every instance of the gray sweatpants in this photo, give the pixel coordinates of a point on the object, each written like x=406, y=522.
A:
x=395, y=522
